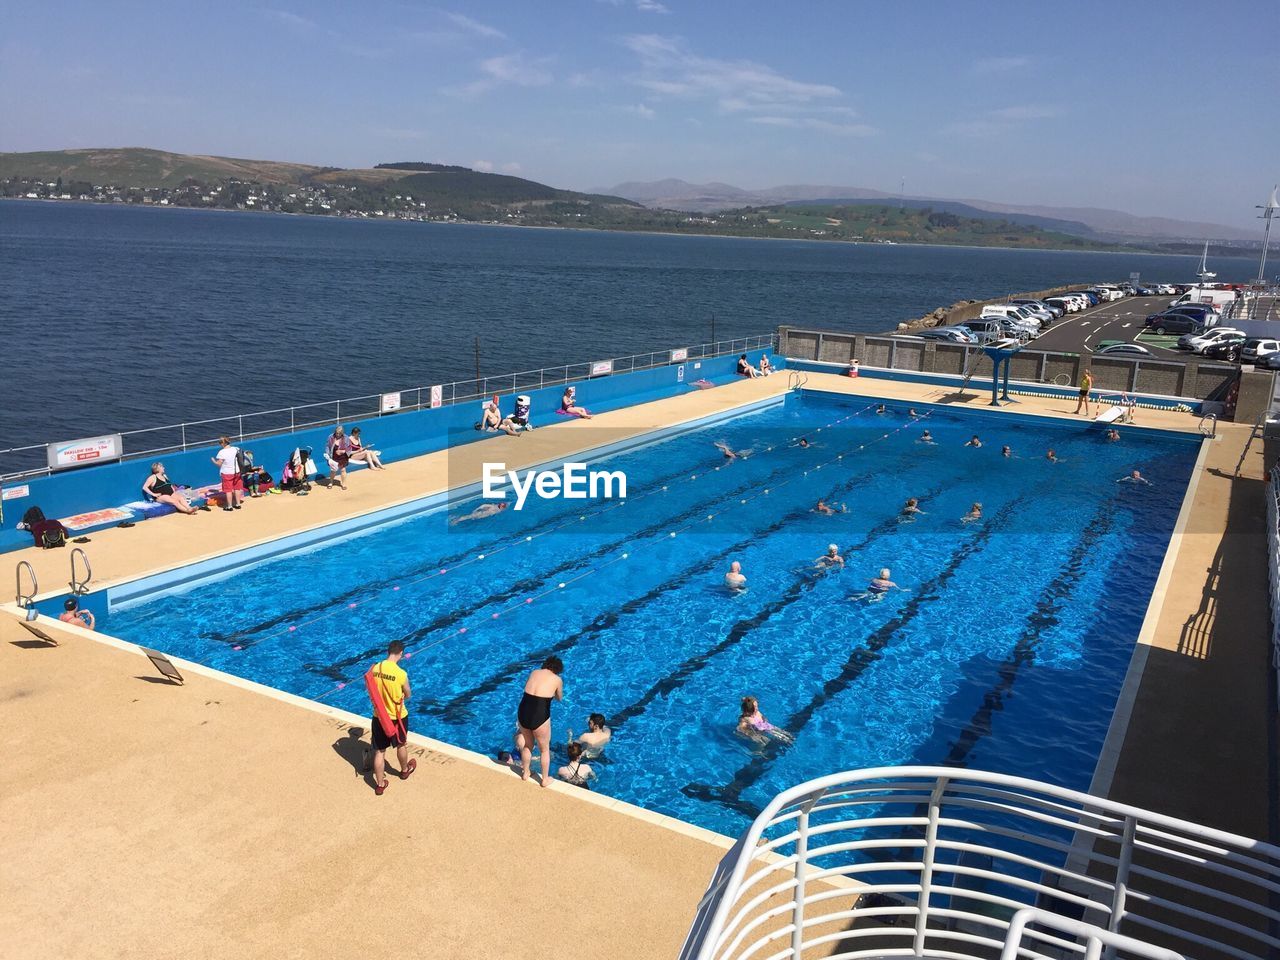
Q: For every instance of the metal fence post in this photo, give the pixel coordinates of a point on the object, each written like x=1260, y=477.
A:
x=926, y=866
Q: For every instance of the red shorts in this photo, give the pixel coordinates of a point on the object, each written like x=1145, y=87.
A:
x=231, y=483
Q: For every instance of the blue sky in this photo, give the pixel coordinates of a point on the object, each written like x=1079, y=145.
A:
x=1155, y=108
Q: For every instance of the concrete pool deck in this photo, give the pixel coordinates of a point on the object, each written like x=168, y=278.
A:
x=217, y=819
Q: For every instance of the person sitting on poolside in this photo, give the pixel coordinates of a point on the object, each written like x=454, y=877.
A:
x=735, y=580
x=596, y=737
x=252, y=475
x=577, y=771
x=926, y=437
x=480, y=512
x=973, y=441
x=520, y=416
x=569, y=404
x=71, y=613
x=492, y=419
x=766, y=368
x=745, y=369
x=362, y=454
x=830, y=559
x=852, y=371
x=911, y=509
x=1135, y=477
x=975, y=513
x=753, y=725
x=1005, y=451
x=1052, y=456
x=160, y=489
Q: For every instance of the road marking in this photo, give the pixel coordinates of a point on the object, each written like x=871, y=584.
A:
x=1125, y=326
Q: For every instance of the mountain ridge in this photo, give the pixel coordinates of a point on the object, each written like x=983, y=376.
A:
x=674, y=193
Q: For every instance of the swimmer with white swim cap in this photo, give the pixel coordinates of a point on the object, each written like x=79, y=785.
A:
x=734, y=579
x=830, y=559
x=878, y=587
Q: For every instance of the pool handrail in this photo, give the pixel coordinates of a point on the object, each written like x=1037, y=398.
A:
x=959, y=853
x=369, y=405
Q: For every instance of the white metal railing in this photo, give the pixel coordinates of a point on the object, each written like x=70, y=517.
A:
x=1273, y=562
x=19, y=462
x=954, y=863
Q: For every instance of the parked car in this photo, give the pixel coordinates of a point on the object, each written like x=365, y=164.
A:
x=1163, y=323
x=1141, y=291
x=987, y=328
x=1198, y=341
x=1206, y=318
x=1227, y=348
x=1092, y=296
x=1268, y=361
x=1047, y=311
x=1255, y=348
x=1166, y=289
x=949, y=334
x=1020, y=316
x=1123, y=350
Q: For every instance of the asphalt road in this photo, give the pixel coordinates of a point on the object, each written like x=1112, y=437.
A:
x=1122, y=320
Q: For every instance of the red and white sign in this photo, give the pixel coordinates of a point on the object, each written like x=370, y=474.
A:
x=601, y=367
x=390, y=402
x=15, y=493
x=680, y=355
x=77, y=453
x=437, y=397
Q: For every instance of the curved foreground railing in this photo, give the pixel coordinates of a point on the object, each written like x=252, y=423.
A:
x=942, y=862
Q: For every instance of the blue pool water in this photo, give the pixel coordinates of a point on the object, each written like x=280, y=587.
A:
x=1006, y=651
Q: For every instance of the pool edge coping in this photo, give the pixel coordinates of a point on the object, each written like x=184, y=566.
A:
x=1104, y=771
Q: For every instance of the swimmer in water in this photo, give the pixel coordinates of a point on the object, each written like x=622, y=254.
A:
x=926, y=437
x=911, y=510
x=1113, y=435
x=480, y=512
x=881, y=409
x=734, y=579
x=828, y=511
x=1051, y=456
x=804, y=443
x=973, y=441
x=830, y=559
x=911, y=412
x=877, y=588
x=1006, y=452
x=975, y=513
x=753, y=725
x=729, y=452
x=1135, y=477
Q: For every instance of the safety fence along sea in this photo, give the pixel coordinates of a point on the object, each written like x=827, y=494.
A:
x=31, y=460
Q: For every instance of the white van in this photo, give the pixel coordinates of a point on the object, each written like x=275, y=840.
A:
x=1020, y=316
x=1218, y=298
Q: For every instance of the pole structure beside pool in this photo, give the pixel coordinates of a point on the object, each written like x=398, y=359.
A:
x=998, y=356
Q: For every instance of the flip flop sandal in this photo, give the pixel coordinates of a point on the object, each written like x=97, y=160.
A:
x=407, y=772
x=80, y=540
x=126, y=524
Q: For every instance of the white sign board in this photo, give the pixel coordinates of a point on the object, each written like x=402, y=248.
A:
x=601, y=367
x=15, y=493
x=1135, y=277
x=390, y=402
x=77, y=453
x=437, y=396
x=680, y=355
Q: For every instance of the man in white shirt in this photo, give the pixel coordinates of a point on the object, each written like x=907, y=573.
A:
x=227, y=458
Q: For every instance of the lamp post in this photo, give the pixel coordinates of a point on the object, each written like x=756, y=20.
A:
x=1268, y=211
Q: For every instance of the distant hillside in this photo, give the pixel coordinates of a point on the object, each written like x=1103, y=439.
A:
x=407, y=190
x=1072, y=228
x=140, y=167
x=673, y=194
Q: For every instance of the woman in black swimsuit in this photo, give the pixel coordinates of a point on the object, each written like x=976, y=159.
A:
x=534, y=716
x=160, y=488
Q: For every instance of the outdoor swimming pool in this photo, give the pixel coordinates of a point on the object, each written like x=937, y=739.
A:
x=1006, y=652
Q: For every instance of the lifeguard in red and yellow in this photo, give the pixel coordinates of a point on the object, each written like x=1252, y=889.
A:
x=389, y=693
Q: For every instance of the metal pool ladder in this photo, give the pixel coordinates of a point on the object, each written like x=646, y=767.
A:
x=80, y=587
x=1212, y=419
x=797, y=380
x=26, y=600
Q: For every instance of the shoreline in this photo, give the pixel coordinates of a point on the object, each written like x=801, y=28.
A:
x=1119, y=251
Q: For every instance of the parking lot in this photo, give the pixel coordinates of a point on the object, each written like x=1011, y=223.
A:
x=1122, y=320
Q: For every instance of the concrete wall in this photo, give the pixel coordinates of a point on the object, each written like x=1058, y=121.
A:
x=1194, y=378
x=397, y=435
